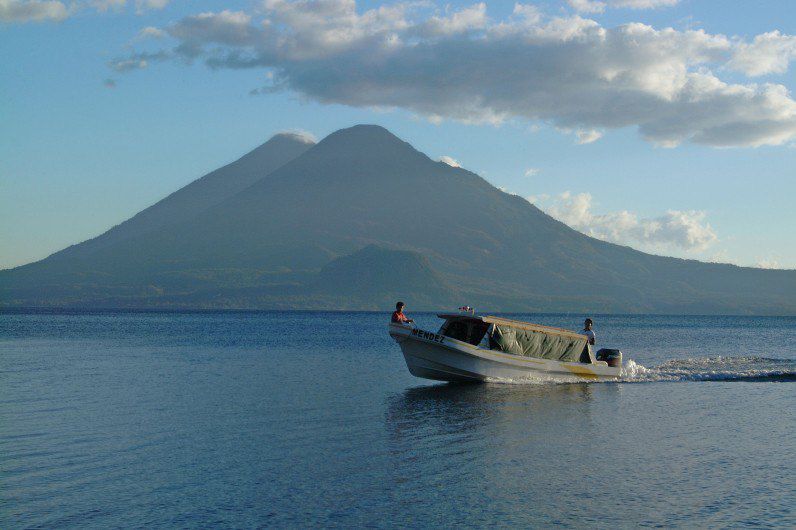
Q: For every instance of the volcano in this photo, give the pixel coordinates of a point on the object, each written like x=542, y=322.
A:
x=362, y=218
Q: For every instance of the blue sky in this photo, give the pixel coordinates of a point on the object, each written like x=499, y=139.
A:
x=711, y=180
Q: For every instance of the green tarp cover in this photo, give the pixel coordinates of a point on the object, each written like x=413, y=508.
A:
x=539, y=344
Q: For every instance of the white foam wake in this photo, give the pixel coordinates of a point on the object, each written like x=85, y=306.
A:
x=714, y=369
x=751, y=369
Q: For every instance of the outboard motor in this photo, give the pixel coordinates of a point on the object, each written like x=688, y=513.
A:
x=612, y=357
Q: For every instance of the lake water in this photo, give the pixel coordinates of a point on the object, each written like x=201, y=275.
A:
x=293, y=419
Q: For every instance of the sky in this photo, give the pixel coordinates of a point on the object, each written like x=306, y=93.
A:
x=665, y=125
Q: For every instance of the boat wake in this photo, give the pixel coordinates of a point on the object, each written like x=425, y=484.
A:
x=750, y=369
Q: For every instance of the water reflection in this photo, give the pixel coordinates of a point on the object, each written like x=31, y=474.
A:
x=452, y=433
x=457, y=402
x=470, y=414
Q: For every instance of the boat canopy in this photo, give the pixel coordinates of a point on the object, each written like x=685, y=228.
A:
x=524, y=338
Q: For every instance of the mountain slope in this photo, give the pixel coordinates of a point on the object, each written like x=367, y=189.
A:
x=205, y=192
x=273, y=245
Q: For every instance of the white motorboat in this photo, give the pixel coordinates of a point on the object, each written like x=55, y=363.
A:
x=471, y=347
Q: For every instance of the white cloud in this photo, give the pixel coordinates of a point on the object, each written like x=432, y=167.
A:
x=681, y=230
x=126, y=65
x=151, y=32
x=644, y=4
x=506, y=190
x=587, y=6
x=468, y=19
x=32, y=11
x=528, y=14
x=300, y=134
x=450, y=161
x=768, y=263
x=137, y=61
x=587, y=136
x=227, y=28
x=146, y=5
x=141, y=6
x=769, y=53
x=598, y=6
x=532, y=172
x=569, y=72
x=56, y=11
x=108, y=5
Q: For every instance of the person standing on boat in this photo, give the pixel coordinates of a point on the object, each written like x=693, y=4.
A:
x=590, y=338
x=399, y=316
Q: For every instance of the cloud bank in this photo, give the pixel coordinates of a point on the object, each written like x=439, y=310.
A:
x=680, y=230
x=569, y=72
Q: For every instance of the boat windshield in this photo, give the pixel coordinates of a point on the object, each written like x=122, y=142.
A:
x=464, y=329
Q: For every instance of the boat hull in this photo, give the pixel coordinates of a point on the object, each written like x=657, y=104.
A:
x=431, y=356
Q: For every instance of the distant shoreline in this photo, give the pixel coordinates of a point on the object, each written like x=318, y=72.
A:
x=386, y=311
